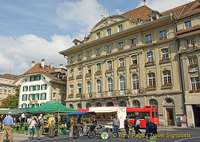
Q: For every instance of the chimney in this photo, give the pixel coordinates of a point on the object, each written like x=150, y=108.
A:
x=61, y=66
x=51, y=65
x=33, y=63
x=42, y=63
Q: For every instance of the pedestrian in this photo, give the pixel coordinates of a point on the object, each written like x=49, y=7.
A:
x=126, y=126
x=137, y=125
x=80, y=127
x=71, y=128
x=7, y=127
x=32, y=124
x=149, y=130
x=51, y=125
x=40, y=123
x=116, y=124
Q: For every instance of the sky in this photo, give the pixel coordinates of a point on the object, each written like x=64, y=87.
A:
x=31, y=30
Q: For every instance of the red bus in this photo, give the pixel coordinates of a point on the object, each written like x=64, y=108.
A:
x=151, y=111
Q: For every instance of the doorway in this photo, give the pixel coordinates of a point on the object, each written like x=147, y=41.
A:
x=170, y=116
x=196, y=110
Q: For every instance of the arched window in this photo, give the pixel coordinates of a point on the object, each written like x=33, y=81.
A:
x=167, y=77
x=122, y=83
x=153, y=102
x=122, y=104
x=99, y=86
x=98, y=104
x=110, y=104
x=136, y=103
x=135, y=81
x=79, y=106
x=88, y=105
x=71, y=106
x=110, y=85
x=89, y=87
x=169, y=101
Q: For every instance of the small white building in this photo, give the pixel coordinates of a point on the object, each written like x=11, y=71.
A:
x=40, y=84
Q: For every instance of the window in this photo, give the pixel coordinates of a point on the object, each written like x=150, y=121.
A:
x=99, y=86
x=71, y=89
x=120, y=27
x=88, y=105
x=80, y=57
x=72, y=59
x=98, y=67
x=122, y=83
x=153, y=102
x=190, y=42
x=80, y=71
x=79, y=106
x=148, y=38
x=89, y=87
x=193, y=64
x=134, y=59
x=109, y=64
x=89, y=69
x=72, y=72
x=121, y=45
x=195, y=83
x=34, y=78
x=152, y=80
x=109, y=48
x=192, y=60
x=136, y=103
x=109, y=32
x=121, y=62
x=98, y=51
x=167, y=77
x=163, y=34
x=5, y=89
x=150, y=56
x=5, y=95
x=188, y=24
x=98, y=35
x=71, y=106
x=135, y=81
x=110, y=85
x=89, y=54
x=79, y=88
x=133, y=41
x=122, y=104
x=165, y=53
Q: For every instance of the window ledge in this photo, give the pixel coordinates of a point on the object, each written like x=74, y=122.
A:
x=151, y=63
x=165, y=60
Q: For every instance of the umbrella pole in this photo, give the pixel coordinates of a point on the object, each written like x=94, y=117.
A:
x=58, y=122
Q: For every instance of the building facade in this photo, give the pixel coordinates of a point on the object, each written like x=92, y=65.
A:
x=188, y=34
x=129, y=60
x=41, y=84
x=7, y=85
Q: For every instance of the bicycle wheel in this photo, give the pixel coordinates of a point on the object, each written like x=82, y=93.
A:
x=91, y=134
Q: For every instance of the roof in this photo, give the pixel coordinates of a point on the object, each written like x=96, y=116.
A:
x=47, y=70
x=10, y=76
x=184, y=10
x=142, y=12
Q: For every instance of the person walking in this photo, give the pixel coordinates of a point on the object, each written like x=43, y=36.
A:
x=149, y=134
x=137, y=125
x=51, y=125
x=126, y=126
x=71, y=128
x=40, y=123
x=7, y=127
x=80, y=127
x=116, y=124
x=32, y=124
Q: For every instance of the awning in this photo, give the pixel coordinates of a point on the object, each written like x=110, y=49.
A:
x=82, y=113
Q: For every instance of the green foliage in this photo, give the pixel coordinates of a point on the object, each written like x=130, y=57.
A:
x=11, y=101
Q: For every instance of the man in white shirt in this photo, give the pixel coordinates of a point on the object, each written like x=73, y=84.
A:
x=137, y=125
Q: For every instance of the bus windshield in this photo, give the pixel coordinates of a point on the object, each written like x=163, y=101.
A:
x=154, y=114
x=141, y=115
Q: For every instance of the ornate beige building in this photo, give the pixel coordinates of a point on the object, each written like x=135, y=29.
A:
x=128, y=60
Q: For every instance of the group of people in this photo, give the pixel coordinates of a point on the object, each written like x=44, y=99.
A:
x=151, y=128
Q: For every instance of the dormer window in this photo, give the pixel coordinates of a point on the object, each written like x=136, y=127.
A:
x=154, y=15
x=120, y=27
x=188, y=24
x=109, y=32
x=98, y=35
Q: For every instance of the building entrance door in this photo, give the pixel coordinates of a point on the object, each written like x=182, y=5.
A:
x=170, y=116
x=196, y=109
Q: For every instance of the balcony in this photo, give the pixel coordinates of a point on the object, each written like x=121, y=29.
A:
x=164, y=60
x=97, y=73
x=79, y=76
x=71, y=78
x=149, y=63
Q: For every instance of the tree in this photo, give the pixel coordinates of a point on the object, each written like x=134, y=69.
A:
x=11, y=101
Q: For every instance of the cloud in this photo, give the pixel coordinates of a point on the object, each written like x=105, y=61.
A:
x=117, y=12
x=21, y=51
x=80, y=15
x=163, y=5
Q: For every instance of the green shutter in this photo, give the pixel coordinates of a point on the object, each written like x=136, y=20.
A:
x=41, y=96
x=33, y=105
x=38, y=96
x=22, y=97
x=28, y=105
x=33, y=97
x=38, y=87
x=45, y=86
x=23, y=88
x=25, y=105
x=39, y=77
x=29, y=88
x=21, y=105
x=45, y=96
x=41, y=87
x=28, y=97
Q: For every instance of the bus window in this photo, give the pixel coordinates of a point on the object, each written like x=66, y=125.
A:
x=131, y=115
x=143, y=114
x=154, y=114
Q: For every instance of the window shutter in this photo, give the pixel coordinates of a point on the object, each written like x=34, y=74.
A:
x=26, y=97
x=39, y=77
x=33, y=97
x=29, y=97
x=41, y=96
x=41, y=87
x=45, y=96
x=28, y=105
x=38, y=96
x=45, y=86
x=25, y=105
x=23, y=88
x=21, y=105
x=22, y=97
x=29, y=88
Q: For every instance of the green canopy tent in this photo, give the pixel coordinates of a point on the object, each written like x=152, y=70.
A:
x=51, y=107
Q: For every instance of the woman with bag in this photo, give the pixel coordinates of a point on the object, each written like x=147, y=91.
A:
x=32, y=124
